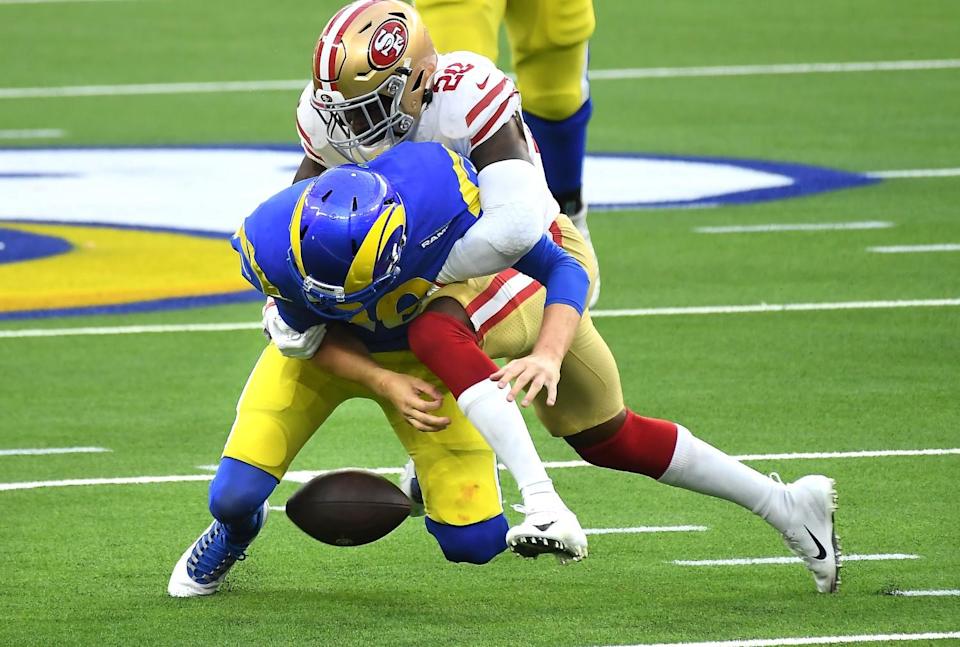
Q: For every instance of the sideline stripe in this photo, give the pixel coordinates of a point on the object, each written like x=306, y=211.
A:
x=927, y=593
x=643, y=529
x=634, y=312
x=753, y=561
x=822, y=226
x=915, y=249
x=302, y=476
x=809, y=640
x=53, y=450
x=36, y=133
x=911, y=173
x=595, y=75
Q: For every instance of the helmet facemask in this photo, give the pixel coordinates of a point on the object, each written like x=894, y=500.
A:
x=363, y=127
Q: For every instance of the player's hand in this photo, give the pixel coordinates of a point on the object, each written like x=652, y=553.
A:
x=414, y=398
x=290, y=342
x=533, y=373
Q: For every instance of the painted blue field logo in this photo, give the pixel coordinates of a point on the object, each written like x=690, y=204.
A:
x=161, y=216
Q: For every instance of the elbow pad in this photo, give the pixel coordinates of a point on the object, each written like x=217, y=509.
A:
x=516, y=212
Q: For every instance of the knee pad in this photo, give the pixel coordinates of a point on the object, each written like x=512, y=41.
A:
x=477, y=543
x=238, y=490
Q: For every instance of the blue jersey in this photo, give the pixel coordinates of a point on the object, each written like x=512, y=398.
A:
x=442, y=201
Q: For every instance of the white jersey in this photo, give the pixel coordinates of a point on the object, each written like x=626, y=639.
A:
x=471, y=100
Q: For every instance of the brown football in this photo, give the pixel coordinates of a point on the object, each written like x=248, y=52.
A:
x=348, y=507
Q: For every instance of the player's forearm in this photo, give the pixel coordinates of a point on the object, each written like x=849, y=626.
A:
x=559, y=327
x=343, y=355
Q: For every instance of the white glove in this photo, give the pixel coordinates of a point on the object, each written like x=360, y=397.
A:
x=290, y=343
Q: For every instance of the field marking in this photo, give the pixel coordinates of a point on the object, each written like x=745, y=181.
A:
x=302, y=476
x=630, y=312
x=754, y=561
x=926, y=593
x=52, y=450
x=822, y=226
x=36, y=133
x=595, y=75
x=915, y=173
x=130, y=330
x=915, y=249
x=127, y=480
x=643, y=529
x=808, y=640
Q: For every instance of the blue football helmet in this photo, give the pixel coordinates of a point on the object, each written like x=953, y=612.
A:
x=346, y=237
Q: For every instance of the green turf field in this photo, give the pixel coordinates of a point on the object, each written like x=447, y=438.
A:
x=88, y=565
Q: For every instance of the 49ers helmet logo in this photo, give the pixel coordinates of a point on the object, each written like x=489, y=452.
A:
x=388, y=44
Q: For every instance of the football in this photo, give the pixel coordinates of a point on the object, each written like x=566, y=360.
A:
x=348, y=507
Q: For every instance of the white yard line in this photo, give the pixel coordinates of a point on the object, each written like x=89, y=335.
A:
x=130, y=330
x=302, y=476
x=595, y=75
x=927, y=593
x=128, y=480
x=915, y=173
x=915, y=249
x=754, y=561
x=775, y=307
x=633, y=312
x=643, y=529
x=36, y=133
x=809, y=640
x=816, y=226
x=52, y=450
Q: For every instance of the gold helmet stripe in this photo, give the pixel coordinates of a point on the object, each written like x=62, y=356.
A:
x=360, y=274
x=295, y=230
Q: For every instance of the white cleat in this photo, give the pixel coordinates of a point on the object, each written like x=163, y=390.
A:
x=554, y=532
x=411, y=487
x=811, y=534
x=206, y=562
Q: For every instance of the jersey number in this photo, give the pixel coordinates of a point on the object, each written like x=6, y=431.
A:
x=396, y=307
x=451, y=76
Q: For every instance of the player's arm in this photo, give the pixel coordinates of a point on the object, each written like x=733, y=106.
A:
x=308, y=168
x=567, y=284
x=336, y=351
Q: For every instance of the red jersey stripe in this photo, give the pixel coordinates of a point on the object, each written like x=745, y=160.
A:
x=479, y=137
x=509, y=307
x=556, y=233
x=498, y=282
x=485, y=101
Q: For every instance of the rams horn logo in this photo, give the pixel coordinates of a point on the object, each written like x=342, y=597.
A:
x=388, y=44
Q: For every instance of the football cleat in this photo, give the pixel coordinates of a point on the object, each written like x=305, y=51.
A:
x=548, y=532
x=411, y=487
x=203, y=567
x=811, y=534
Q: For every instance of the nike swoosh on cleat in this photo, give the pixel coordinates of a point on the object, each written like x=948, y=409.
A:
x=483, y=85
x=546, y=526
x=823, y=551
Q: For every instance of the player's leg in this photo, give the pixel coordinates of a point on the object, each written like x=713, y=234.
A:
x=471, y=25
x=590, y=415
x=284, y=401
x=443, y=338
x=548, y=43
x=456, y=473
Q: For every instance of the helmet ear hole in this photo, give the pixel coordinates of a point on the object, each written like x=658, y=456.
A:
x=354, y=246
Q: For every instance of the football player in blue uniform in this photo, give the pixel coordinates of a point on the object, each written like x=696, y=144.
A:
x=364, y=245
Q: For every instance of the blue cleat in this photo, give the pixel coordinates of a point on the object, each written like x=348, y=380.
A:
x=205, y=564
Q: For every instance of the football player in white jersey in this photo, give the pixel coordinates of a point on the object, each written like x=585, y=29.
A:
x=378, y=81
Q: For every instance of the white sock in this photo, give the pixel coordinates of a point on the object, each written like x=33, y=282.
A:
x=703, y=468
x=501, y=425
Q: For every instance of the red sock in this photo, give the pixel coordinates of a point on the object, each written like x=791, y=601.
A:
x=450, y=349
x=641, y=445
